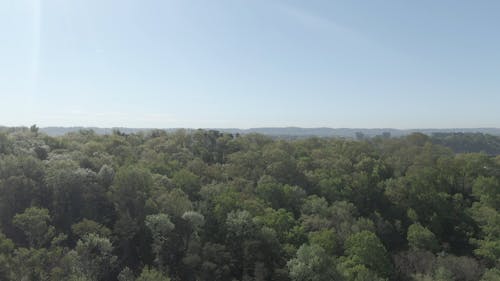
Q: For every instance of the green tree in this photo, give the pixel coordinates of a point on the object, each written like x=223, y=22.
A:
x=94, y=257
x=311, y=264
x=6, y=251
x=216, y=262
x=492, y=274
x=174, y=203
x=129, y=193
x=187, y=182
x=440, y=274
x=16, y=194
x=160, y=227
x=151, y=274
x=487, y=190
x=130, y=190
x=35, y=223
x=366, y=249
x=327, y=239
x=280, y=221
x=419, y=237
x=352, y=271
x=126, y=275
x=195, y=222
x=106, y=175
x=86, y=226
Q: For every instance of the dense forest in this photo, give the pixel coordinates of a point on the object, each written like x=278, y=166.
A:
x=206, y=205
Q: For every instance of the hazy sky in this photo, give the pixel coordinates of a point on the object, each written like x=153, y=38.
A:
x=250, y=63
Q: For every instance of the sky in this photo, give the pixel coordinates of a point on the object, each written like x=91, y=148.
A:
x=250, y=63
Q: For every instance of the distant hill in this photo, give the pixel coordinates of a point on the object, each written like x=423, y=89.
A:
x=460, y=140
x=59, y=131
x=291, y=131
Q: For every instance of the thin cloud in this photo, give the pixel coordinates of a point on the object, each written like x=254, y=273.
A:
x=107, y=119
x=327, y=26
x=314, y=21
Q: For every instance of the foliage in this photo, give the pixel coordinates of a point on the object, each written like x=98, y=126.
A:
x=94, y=257
x=34, y=222
x=311, y=264
x=420, y=237
x=366, y=249
x=151, y=274
x=207, y=205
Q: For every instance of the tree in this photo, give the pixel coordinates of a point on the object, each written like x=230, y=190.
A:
x=160, y=227
x=216, y=262
x=106, y=175
x=366, y=249
x=187, y=182
x=174, y=203
x=130, y=191
x=421, y=238
x=195, y=221
x=240, y=225
x=440, y=274
x=457, y=267
x=151, y=274
x=75, y=193
x=34, y=129
x=126, y=275
x=488, y=219
x=487, y=189
x=16, y=194
x=6, y=250
x=30, y=264
x=204, y=205
x=89, y=226
x=311, y=264
x=281, y=221
x=35, y=223
x=411, y=262
x=314, y=204
x=94, y=257
x=352, y=271
x=492, y=274
x=5, y=143
x=241, y=232
x=327, y=239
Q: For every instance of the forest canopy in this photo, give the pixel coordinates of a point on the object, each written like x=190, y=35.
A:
x=206, y=205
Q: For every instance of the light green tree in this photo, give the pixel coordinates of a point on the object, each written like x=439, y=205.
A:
x=35, y=223
x=326, y=238
x=151, y=274
x=160, y=227
x=365, y=248
x=421, y=238
x=311, y=264
x=94, y=257
x=89, y=226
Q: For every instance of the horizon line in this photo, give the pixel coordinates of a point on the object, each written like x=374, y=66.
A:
x=252, y=128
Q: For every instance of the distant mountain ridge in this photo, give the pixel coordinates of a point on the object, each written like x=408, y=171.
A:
x=287, y=131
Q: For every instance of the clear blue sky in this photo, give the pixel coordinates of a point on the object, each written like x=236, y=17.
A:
x=250, y=63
